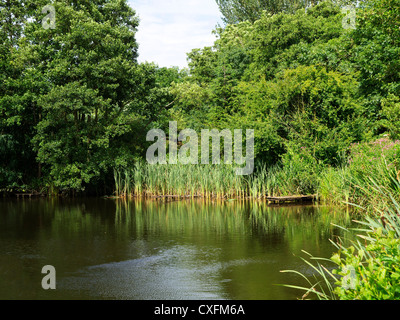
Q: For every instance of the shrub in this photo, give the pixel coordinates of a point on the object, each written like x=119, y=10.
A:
x=364, y=157
x=371, y=272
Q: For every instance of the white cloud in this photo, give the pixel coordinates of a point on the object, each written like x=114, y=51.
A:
x=169, y=29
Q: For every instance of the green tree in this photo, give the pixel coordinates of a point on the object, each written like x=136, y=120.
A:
x=74, y=102
x=216, y=71
x=20, y=84
x=285, y=41
x=376, y=54
x=89, y=60
x=307, y=110
x=235, y=11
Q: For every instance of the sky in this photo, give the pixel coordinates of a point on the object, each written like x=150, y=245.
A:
x=169, y=29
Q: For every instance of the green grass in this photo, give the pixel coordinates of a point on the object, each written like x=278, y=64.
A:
x=209, y=181
x=332, y=185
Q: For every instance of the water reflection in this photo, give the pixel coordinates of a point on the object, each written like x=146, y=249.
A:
x=112, y=249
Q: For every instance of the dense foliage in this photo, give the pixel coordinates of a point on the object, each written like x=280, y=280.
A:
x=308, y=86
x=76, y=105
x=235, y=11
x=74, y=102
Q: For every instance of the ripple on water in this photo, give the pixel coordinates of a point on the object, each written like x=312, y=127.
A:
x=175, y=273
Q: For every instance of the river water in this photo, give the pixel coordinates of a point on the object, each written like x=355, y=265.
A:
x=157, y=250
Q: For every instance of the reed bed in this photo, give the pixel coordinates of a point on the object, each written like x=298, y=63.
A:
x=206, y=181
x=221, y=181
x=347, y=183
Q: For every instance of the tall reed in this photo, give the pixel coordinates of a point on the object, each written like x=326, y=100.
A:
x=219, y=181
x=211, y=181
x=343, y=185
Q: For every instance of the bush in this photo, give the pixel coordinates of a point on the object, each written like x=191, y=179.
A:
x=371, y=165
x=371, y=272
x=364, y=157
x=302, y=169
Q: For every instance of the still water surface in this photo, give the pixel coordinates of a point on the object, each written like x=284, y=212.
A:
x=113, y=249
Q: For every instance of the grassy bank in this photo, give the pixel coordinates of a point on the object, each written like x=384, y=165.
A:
x=347, y=182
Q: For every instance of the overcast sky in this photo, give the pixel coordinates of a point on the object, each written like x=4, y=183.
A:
x=169, y=29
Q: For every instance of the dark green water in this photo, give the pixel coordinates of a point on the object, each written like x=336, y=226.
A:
x=109, y=249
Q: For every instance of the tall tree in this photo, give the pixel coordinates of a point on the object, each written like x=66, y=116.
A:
x=89, y=62
x=377, y=56
x=18, y=113
x=235, y=11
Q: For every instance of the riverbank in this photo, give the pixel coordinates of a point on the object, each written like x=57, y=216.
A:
x=347, y=183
